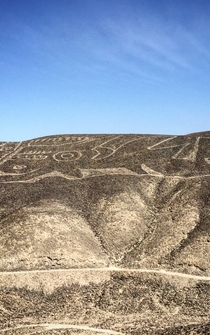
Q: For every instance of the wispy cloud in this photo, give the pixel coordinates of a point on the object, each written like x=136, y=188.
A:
x=141, y=45
x=151, y=42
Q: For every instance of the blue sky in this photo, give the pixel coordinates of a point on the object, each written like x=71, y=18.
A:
x=104, y=66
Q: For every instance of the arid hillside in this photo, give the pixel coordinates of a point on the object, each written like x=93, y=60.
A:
x=105, y=233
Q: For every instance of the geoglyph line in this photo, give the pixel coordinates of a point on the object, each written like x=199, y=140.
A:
x=60, y=174
x=192, y=154
x=51, y=326
x=42, y=176
x=59, y=140
x=67, y=155
x=114, y=269
x=102, y=146
x=113, y=150
x=150, y=171
x=153, y=147
x=8, y=156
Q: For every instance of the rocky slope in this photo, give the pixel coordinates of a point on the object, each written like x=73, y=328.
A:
x=78, y=209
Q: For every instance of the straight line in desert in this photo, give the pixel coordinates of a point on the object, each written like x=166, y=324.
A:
x=51, y=326
x=153, y=147
x=116, y=269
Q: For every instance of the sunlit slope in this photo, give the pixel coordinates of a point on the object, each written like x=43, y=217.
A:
x=48, y=235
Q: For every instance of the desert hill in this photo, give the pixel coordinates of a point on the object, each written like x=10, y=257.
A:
x=100, y=207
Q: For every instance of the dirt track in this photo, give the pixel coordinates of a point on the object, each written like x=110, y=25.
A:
x=116, y=269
